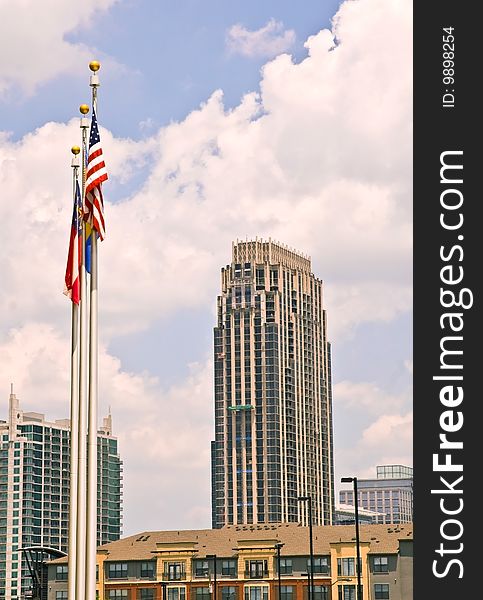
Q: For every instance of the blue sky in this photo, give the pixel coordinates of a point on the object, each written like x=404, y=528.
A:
x=317, y=156
x=173, y=55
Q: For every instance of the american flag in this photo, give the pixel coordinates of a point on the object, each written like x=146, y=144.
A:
x=72, y=283
x=96, y=174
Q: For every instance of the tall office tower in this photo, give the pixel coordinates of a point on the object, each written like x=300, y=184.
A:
x=390, y=494
x=34, y=491
x=273, y=393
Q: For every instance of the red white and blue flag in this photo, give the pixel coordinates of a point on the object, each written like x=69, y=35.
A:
x=74, y=258
x=95, y=175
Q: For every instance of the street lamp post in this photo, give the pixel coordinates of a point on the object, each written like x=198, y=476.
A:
x=278, y=547
x=213, y=557
x=353, y=480
x=308, y=499
x=339, y=581
x=308, y=581
x=327, y=586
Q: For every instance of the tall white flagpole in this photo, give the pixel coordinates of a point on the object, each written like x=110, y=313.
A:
x=81, y=462
x=74, y=415
x=91, y=534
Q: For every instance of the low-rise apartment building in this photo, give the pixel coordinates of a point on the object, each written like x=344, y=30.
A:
x=257, y=562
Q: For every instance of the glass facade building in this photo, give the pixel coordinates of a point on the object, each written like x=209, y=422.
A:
x=390, y=494
x=394, y=472
x=273, y=391
x=34, y=491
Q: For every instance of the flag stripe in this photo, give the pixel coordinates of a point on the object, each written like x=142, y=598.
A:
x=96, y=174
x=97, y=211
x=74, y=257
x=95, y=182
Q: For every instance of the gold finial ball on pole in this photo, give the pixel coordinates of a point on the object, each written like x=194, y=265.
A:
x=94, y=66
x=75, y=150
x=84, y=109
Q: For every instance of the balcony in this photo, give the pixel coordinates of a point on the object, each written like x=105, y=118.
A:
x=174, y=576
x=256, y=574
x=229, y=574
x=201, y=572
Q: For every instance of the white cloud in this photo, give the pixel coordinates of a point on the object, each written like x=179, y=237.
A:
x=391, y=433
x=164, y=433
x=367, y=396
x=35, y=358
x=266, y=42
x=33, y=48
x=291, y=164
x=372, y=426
x=39, y=212
x=320, y=160
x=165, y=436
x=387, y=440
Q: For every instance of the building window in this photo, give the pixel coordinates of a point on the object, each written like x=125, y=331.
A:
x=118, y=594
x=321, y=565
x=62, y=595
x=256, y=569
x=201, y=568
x=228, y=593
x=259, y=592
x=174, y=571
x=286, y=592
x=202, y=593
x=381, y=591
x=321, y=592
x=346, y=567
x=228, y=568
x=146, y=594
x=117, y=571
x=176, y=593
x=347, y=592
x=286, y=566
x=61, y=572
x=147, y=570
x=381, y=564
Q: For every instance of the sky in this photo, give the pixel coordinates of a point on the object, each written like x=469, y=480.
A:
x=219, y=121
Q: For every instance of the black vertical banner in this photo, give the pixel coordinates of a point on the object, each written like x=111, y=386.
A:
x=448, y=203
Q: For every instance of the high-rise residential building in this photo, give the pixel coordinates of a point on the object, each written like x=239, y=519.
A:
x=34, y=491
x=273, y=391
x=390, y=494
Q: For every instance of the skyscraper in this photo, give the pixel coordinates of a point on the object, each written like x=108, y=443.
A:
x=273, y=391
x=34, y=490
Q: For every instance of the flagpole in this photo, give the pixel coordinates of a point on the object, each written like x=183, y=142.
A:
x=81, y=462
x=74, y=416
x=91, y=534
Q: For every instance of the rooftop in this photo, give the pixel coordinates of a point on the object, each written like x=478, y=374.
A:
x=260, y=251
x=225, y=542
